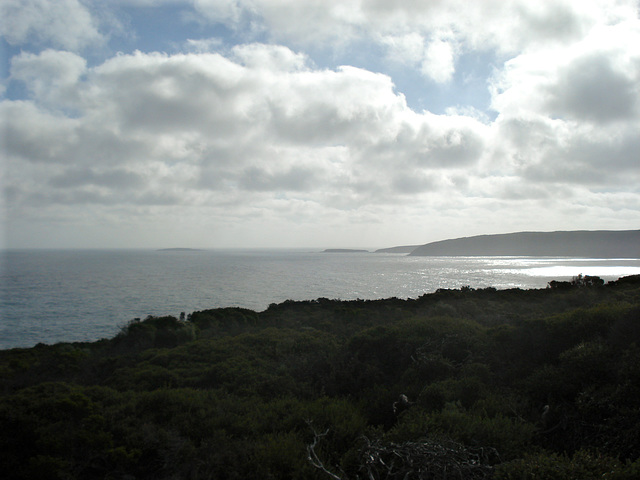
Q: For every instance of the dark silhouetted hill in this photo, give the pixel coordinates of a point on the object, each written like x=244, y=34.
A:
x=590, y=244
x=400, y=249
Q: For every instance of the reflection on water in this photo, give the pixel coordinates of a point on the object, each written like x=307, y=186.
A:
x=558, y=271
x=51, y=296
x=564, y=268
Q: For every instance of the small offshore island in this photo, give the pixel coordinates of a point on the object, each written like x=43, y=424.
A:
x=466, y=383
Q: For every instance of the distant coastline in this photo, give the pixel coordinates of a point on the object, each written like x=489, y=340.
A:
x=400, y=249
x=179, y=250
x=344, y=250
x=580, y=243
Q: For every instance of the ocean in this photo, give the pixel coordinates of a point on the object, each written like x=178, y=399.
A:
x=49, y=296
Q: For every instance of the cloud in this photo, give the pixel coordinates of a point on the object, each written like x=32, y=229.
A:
x=33, y=135
x=405, y=184
x=592, y=159
x=570, y=114
x=235, y=138
x=222, y=11
x=598, y=79
x=261, y=120
x=64, y=24
x=435, y=59
x=430, y=34
x=439, y=61
x=406, y=48
x=591, y=89
x=51, y=76
x=275, y=58
x=116, y=178
x=594, y=80
x=195, y=127
x=204, y=45
x=292, y=180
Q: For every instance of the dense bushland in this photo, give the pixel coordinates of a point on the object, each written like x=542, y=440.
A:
x=504, y=384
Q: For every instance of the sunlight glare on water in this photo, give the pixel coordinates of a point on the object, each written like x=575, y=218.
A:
x=569, y=271
x=53, y=295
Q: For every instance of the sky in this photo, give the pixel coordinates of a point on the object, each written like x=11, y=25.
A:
x=316, y=123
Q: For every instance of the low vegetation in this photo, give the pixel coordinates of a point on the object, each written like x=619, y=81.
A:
x=461, y=384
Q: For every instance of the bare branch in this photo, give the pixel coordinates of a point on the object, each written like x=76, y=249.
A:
x=425, y=460
x=313, y=456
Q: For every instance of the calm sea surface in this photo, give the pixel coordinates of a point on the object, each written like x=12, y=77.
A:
x=53, y=296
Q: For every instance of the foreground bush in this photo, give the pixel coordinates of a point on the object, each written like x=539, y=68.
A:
x=464, y=383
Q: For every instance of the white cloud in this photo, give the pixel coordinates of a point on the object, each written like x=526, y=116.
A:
x=593, y=80
x=237, y=138
x=439, y=61
x=405, y=48
x=570, y=114
x=271, y=123
x=205, y=45
x=33, y=135
x=430, y=34
x=276, y=58
x=435, y=59
x=66, y=24
x=222, y=11
x=51, y=76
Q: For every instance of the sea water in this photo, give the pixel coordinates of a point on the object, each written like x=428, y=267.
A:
x=53, y=296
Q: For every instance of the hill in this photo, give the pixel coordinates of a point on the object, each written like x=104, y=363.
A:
x=400, y=249
x=587, y=244
x=473, y=384
x=344, y=250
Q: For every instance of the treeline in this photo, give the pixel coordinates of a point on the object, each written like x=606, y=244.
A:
x=503, y=384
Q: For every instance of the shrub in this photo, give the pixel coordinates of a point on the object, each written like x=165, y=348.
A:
x=583, y=465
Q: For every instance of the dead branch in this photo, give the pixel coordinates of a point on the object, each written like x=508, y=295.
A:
x=313, y=456
x=427, y=459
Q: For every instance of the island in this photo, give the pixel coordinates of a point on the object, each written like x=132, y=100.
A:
x=179, y=250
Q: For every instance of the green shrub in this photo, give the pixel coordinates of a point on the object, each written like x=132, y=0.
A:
x=583, y=465
x=281, y=456
x=507, y=435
